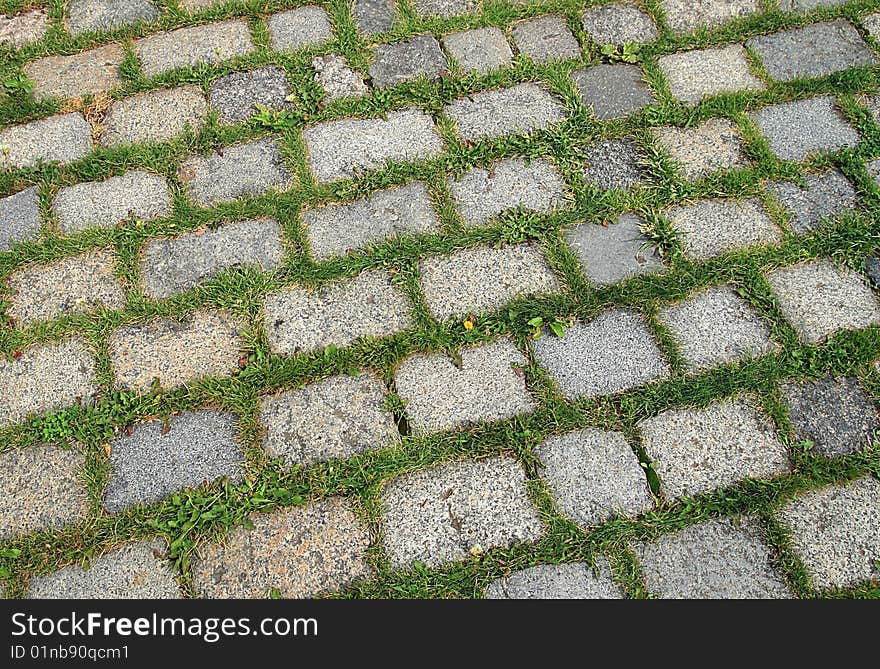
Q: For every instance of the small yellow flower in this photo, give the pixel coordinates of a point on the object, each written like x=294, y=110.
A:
x=468, y=324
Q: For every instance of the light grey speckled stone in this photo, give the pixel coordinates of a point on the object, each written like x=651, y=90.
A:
x=155, y=116
x=619, y=23
x=187, y=47
x=545, y=38
x=482, y=385
x=614, y=164
x=446, y=8
x=562, y=581
x=694, y=75
x=700, y=150
x=442, y=514
x=823, y=196
x=695, y=451
x=87, y=15
x=614, y=252
x=337, y=79
x=627, y=357
x=373, y=16
x=299, y=28
x=336, y=418
x=689, y=15
x=481, y=50
x=613, y=91
x=236, y=96
x=24, y=28
x=19, y=218
x=872, y=24
x=63, y=139
x=407, y=60
x=86, y=73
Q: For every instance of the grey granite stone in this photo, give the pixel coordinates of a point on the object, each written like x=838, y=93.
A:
x=87, y=15
x=19, y=218
x=562, y=581
x=871, y=22
x=609, y=253
x=24, y=28
x=545, y=38
x=694, y=75
x=804, y=5
x=187, y=47
x=156, y=116
x=872, y=267
x=619, y=23
x=446, y=8
x=690, y=15
x=613, y=91
x=86, y=73
x=63, y=138
x=407, y=60
x=700, y=150
x=481, y=50
x=374, y=16
x=236, y=96
x=614, y=164
x=299, y=28
x=823, y=196
x=337, y=79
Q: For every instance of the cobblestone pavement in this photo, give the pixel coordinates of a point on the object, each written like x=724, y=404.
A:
x=439, y=298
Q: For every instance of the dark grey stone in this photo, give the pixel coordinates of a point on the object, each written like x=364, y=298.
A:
x=823, y=196
x=872, y=266
x=374, y=16
x=614, y=164
x=19, y=218
x=236, y=96
x=409, y=59
x=613, y=91
x=613, y=252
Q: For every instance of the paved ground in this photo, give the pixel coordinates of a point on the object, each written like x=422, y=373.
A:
x=439, y=298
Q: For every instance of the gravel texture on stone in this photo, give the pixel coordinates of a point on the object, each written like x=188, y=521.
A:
x=407, y=60
x=614, y=164
x=373, y=16
x=715, y=559
x=823, y=196
x=137, y=570
x=24, y=28
x=872, y=24
x=19, y=218
x=695, y=451
x=252, y=168
x=694, y=75
x=236, y=96
x=299, y=28
x=482, y=384
x=484, y=279
x=481, y=194
x=481, y=50
x=41, y=489
x=803, y=5
x=445, y=513
x=337, y=229
x=335, y=418
x=613, y=91
x=46, y=377
x=796, y=129
x=627, y=357
x=170, y=266
x=71, y=285
x=337, y=79
x=446, y=8
x=709, y=228
x=593, y=476
x=563, y=581
x=835, y=415
x=105, y=204
x=302, y=552
x=717, y=327
x=836, y=532
x=175, y=352
x=818, y=299
x=345, y=148
x=614, y=252
x=87, y=15
x=156, y=116
x=619, y=23
x=301, y=320
x=63, y=138
x=545, y=38
x=159, y=458
x=86, y=73
x=187, y=47
x=689, y=15
x=713, y=145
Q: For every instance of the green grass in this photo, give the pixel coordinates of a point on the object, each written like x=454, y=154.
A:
x=207, y=513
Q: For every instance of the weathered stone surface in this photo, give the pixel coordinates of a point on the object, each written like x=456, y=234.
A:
x=336, y=418
x=159, y=458
x=24, y=28
x=63, y=139
x=236, y=96
x=872, y=267
x=818, y=299
x=694, y=75
x=442, y=514
x=337, y=229
x=481, y=194
x=689, y=15
x=337, y=79
x=86, y=73
x=104, y=204
x=614, y=252
x=137, y=570
x=19, y=218
x=345, y=148
x=563, y=581
x=156, y=116
x=46, y=377
x=252, y=168
x=614, y=164
x=170, y=266
x=836, y=532
x=481, y=50
x=545, y=38
x=299, y=28
x=302, y=552
x=628, y=356
x=823, y=196
x=81, y=283
x=171, y=353
x=442, y=393
x=484, y=279
x=613, y=91
x=812, y=51
x=872, y=24
x=446, y=8
x=519, y=110
x=87, y=15
x=803, y=5
x=619, y=23
x=407, y=60
x=700, y=150
x=187, y=47
x=711, y=227
x=715, y=559
x=695, y=451
x=374, y=16
x=41, y=489
x=301, y=320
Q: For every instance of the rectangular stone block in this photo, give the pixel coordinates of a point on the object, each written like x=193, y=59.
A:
x=614, y=90
x=822, y=198
x=695, y=75
x=407, y=60
x=700, y=150
x=89, y=15
x=236, y=96
x=19, y=218
x=24, y=28
x=86, y=73
x=615, y=251
x=689, y=15
x=63, y=139
x=299, y=28
x=156, y=116
x=481, y=50
x=574, y=580
x=187, y=47
x=545, y=38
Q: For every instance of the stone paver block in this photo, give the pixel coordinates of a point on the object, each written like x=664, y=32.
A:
x=613, y=91
x=105, y=204
x=563, y=581
x=505, y=111
x=299, y=28
x=374, y=16
x=836, y=532
x=716, y=559
x=695, y=451
x=481, y=50
x=446, y=8
x=711, y=227
x=442, y=393
x=627, y=357
x=689, y=15
x=41, y=489
x=19, y=218
x=872, y=24
x=481, y=194
x=86, y=73
x=619, y=23
x=173, y=352
x=337, y=229
x=796, y=129
x=159, y=458
x=407, y=60
x=236, y=96
x=156, y=116
x=439, y=515
x=823, y=196
x=345, y=148
x=138, y=570
x=717, y=327
x=252, y=168
x=836, y=415
x=301, y=320
x=63, y=139
x=700, y=150
x=187, y=47
x=24, y=28
x=818, y=299
x=46, y=377
x=812, y=51
x=545, y=38
x=693, y=75
x=614, y=164
x=872, y=267
x=614, y=252
x=76, y=284
x=170, y=266
x=593, y=476
x=87, y=15
x=336, y=418
x=337, y=79
x=484, y=279
x=302, y=552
